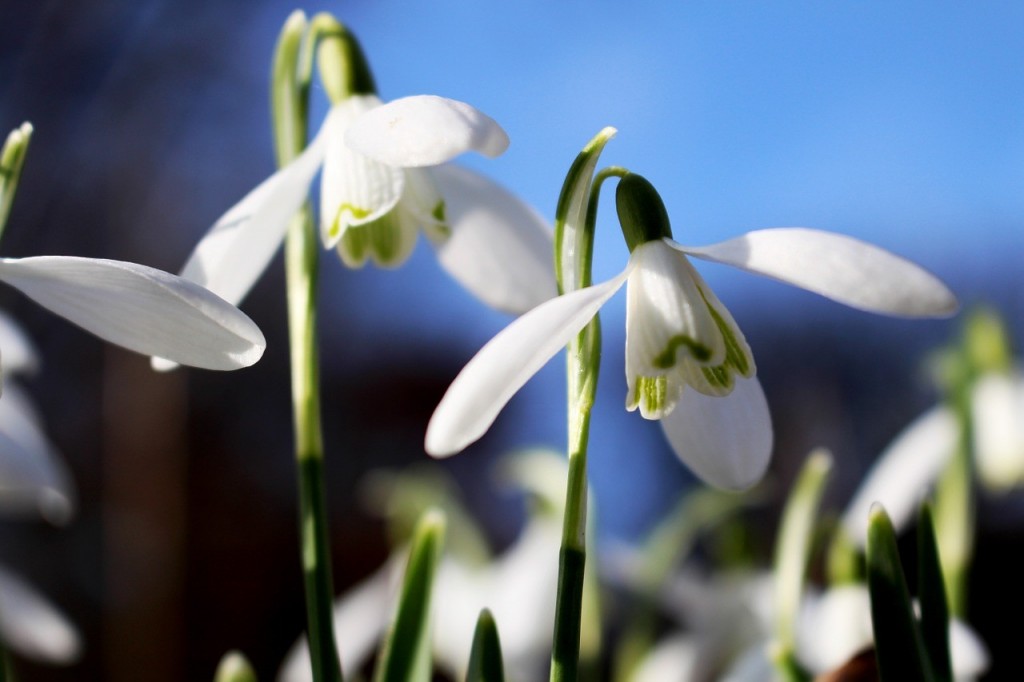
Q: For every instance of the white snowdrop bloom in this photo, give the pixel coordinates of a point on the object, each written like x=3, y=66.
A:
x=687, y=362
x=383, y=181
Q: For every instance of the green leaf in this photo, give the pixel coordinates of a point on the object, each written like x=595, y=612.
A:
x=793, y=550
x=898, y=643
x=931, y=594
x=406, y=653
x=573, y=245
x=12, y=159
x=234, y=667
x=485, y=663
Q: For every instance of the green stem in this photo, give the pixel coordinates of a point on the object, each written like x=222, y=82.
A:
x=583, y=360
x=290, y=105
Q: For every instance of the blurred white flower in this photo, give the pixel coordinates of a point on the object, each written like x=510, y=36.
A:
x=519, y=587
x=32, y=626
x=679, y=334
x=383, y=181
x=33, y=480
x=728, y=629
x=906, y=471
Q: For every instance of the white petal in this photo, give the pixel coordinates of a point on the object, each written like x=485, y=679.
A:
x=675, y=658
x=355, y=189
x=904, y=472
x=969, y=654
x=425, y=130
x=140, y=308
x=32, y=476
x=838, y=267
x=234, y=253
x=997, y=412
x=726, y=441
x=499, y=249
x=833, y=626
x=493, y=376
x=17, y=353
x=32, y=626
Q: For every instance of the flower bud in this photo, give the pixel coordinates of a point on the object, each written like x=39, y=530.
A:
x=642, y=214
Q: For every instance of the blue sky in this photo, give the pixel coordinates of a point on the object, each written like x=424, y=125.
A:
x=901, y=124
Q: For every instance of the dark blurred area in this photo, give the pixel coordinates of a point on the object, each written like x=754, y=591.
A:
x=151, y=119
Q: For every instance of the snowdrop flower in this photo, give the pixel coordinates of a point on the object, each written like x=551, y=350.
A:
x=383, y=181
x=728, y=620
x=130, y=305
x=687, y=362
x=908, y=468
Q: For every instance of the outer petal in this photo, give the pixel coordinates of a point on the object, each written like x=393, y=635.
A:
x=726, y=441
x=32, y=476
x=32, y=626
x=140, y=308
x=355, y=190
x=904, y=472
x=234, y=253
x=493, y=376
x=838, y=267
x=499, y=248
x=425, y=130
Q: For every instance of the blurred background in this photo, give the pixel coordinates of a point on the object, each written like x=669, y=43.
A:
x=901, y=125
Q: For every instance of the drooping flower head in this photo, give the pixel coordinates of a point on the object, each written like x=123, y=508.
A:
x=384, y=180
x=687, y=362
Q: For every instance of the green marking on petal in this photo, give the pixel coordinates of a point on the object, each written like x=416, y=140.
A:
x=649, y=394
x=439, y=212
x=737, y=357
x=356, y=212
x=667, y=358
x=719, y=376
x=354, y=247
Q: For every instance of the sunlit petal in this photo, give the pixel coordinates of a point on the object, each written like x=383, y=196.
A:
x=499, y=247
x=234, y=253
x=904, y=472
x=424, y=130
x=726, y=441
x=833, y=626
x=997, y=413
x=32, y=626
x=842, y=268
x=500, y=369
x=967, y=651
x=140, y=308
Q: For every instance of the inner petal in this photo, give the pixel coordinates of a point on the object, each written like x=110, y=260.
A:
x=667, y=318
x=354, y=189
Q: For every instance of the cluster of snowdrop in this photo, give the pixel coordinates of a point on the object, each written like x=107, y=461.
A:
x=385, y=177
